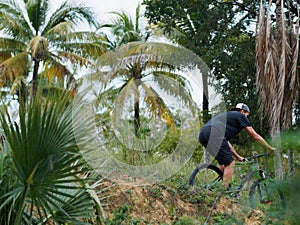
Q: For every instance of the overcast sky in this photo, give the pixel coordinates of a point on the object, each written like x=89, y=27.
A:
x=103, y=7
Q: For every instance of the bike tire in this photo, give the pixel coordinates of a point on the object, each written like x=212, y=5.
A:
x=205, y=175
x=265, y=192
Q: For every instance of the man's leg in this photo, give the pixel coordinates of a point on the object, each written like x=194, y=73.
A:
x=228, y=171
x=221, y=167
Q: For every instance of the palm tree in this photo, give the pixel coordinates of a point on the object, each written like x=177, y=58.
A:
x=139, y=79
x=124, y=29
x=33, y=38
x=127, y=43
x=143, y=112
x=277, y=50
x=42, y=178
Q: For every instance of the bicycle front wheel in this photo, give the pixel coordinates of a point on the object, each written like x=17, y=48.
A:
x=264, y=193
x=205, y=176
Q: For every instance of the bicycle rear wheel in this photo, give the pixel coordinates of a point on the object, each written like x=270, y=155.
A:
x=265, y=193
x=205, y=176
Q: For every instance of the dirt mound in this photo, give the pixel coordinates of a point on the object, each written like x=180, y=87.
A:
x=155, y=204
x=160, y=204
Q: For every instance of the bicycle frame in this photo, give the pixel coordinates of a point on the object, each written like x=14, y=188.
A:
x=261, y=172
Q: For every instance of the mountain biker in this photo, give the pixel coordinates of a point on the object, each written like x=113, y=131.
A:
x=217, y=132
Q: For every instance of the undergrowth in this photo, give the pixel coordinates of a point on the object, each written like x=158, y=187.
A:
x=209, y=206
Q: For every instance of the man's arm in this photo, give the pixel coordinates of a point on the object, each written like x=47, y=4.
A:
x=258, y=138
x=234, y=153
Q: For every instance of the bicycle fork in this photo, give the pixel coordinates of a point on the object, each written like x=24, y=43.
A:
x=239, y=189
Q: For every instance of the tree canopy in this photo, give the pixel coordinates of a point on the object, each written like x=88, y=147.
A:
x=222, y=33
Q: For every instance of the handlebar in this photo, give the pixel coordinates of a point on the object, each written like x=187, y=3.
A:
x=256, y=156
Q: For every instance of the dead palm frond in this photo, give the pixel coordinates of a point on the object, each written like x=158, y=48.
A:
x=276, y=62
x=14, y=67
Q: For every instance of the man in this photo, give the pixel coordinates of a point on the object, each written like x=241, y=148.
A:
x=217, y=132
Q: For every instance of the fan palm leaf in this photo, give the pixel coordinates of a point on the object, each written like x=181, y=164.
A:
x=47, y=165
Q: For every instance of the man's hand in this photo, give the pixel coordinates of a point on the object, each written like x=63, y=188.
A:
x=271, y=150
x=241, y=159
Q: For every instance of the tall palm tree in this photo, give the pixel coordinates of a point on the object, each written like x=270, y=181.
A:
x=277, y=49
x=124, y=29
x=128, y=42
x=134, y=72
x=143, y=102
x=138, y=83
x=34, y=37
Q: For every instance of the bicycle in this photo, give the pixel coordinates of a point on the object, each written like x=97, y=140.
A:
x=262, y=191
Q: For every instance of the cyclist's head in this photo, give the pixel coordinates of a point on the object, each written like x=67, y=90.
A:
x=241, y=106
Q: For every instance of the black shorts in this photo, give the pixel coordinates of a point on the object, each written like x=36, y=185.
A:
x=216, y=144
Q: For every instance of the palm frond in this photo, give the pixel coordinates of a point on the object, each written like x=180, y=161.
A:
x=59, y=30
x=10, y=47
x=71, y=14
x=13, y=22
x=91, y=50
x=14, y=67
x=37, y=12
x=86, y=44
x=260, y=41
x=157, y=106
x=276, y=64
x=75, y=59
x=137, y=18
x=266, y=62
x=17, y=83
x=55, y=69
x=172, y=55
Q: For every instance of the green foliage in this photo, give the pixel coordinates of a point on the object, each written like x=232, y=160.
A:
x=185, y=221
x=291, y=192
x=33, y=35
x=121, y=216
x=227, y=45
x=7, y=181
x=41, y=172
x=155, y=191
x=123, y=29
x=290, y=140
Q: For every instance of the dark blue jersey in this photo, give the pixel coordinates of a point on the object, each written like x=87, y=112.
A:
x=229, y=123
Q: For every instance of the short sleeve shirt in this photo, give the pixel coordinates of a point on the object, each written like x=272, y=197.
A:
x=230, y=123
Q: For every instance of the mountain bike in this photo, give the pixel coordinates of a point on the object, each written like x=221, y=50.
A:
x=262, y=191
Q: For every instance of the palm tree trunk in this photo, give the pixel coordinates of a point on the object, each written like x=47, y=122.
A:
x=278, y=167
x=137, y=122
x=35, y=79
x=136, y=70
